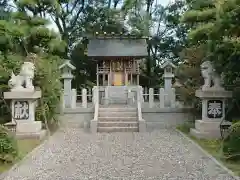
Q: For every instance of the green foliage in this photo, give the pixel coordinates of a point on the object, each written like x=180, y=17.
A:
x=189, y=75
x=219, y=30
x=202, y=32
x=8, y=146
x=185, y=128
x=199, y=16
x=48, y=79
x=231, y=145
x=23, y=34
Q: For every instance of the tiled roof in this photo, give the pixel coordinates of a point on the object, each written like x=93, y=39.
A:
x=117, y=47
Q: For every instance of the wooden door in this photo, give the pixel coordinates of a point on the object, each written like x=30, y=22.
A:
x=118, y=79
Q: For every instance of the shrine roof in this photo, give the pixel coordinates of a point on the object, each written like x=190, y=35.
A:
x=106, y=47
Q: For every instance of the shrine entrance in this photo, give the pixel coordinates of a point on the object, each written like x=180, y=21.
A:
x=118, y=58
x=118, y=79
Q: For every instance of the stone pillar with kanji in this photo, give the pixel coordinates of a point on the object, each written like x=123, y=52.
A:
x=23, y=100
x=213, y=97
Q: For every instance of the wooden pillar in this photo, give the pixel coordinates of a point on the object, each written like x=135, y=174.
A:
x=137, y=63
x=103, y=79
x=137, y=79
x=131, y=78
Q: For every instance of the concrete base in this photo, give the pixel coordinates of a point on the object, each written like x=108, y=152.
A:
x=207, y=129
x=28, y=126
x=205, y=135
x=93, y=126
x=142, y=125
x=23, y=95
x=33, y=135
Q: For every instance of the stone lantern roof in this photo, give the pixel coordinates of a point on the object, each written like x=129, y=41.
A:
x=168, y=63
x=68, y=64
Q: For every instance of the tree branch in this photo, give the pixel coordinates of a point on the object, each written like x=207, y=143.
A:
x=74, y=21
x=56, y=20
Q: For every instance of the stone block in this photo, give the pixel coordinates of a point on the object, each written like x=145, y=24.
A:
x=213, y=93
x=207, y=129
x=22, y=95
x=142, y=125
x=28, y=126
x=33, y=135
x=205, y=135
x=93, y=126
x=206, y=126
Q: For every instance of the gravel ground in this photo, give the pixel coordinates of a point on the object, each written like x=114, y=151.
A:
x=72, y=154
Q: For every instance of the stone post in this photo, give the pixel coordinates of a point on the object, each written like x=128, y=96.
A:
x=67, y=77
x=151, y=97
x=162, y=98
x=168, y=76
x=106, y=95
x=74, y=98
x=84, y=98
x=140, y=91
x=95, y=94
x=173, y=98
x=62, y=104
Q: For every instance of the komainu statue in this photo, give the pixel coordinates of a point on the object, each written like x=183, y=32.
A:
x=23, y=81
x=211, y=78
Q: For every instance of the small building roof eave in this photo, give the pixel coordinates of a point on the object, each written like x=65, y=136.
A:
x=68, y=64
x=168, y=63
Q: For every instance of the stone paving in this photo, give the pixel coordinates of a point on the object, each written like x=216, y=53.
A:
x=72, y=154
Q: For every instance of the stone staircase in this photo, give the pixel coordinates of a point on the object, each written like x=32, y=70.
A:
x=117, y=119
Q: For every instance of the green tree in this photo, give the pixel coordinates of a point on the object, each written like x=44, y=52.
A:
x=27, y=33
x=215, y=25
x=162, y=25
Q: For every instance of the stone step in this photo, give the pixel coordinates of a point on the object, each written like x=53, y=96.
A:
x=116, y=119
x=117, y=129
x=118, y=124
x=117, y=114
x=109, y=109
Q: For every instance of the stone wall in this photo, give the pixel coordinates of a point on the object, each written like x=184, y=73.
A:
x=164, y=118
x=155, y=118
x=77, y=118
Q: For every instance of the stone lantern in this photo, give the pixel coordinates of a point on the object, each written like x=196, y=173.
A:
x=67, y=76
x=168, y=74
x=169, y=91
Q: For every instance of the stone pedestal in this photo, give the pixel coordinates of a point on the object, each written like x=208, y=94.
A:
x=23, y=106
x=213, y=112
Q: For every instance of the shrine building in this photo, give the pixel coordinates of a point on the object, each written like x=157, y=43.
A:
x=118, y=58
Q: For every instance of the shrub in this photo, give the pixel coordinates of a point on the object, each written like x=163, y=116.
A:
x=8, y=146
x=48, y=79
x=231, y=145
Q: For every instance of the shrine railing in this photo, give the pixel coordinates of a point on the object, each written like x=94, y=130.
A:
x=132, y=70
x=150, y=97
x=103, y=69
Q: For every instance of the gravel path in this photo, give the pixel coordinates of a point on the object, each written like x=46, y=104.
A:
x=72, y=154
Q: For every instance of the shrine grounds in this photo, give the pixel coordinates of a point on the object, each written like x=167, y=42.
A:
x=74, y=154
